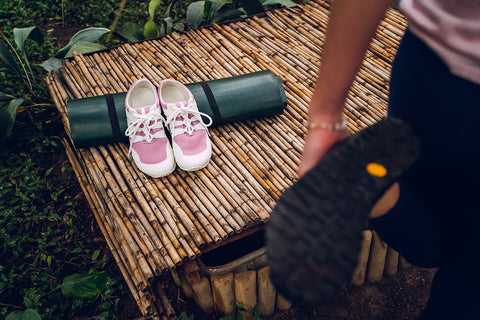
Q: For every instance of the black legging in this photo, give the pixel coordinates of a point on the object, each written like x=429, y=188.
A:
x=436, y=222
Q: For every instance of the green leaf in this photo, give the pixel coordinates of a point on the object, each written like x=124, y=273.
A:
x=22, y=34
x=252, y=6
x=256, y=311
x=84, y=286
x=168, y=12
x=285, y=3
x=8, y=113
x=8, y=59
x=84, y=47
x=195, y=14
x=28, y=314
x=28, y=302
x=207, y=8
x=52, y=64
x=184, y=316
x=88, y=35
x=150, y=30
x=153, y=6
x=167, y=26
x=217, y=5
x=95, y=255
x=227, y=15
x=178, y=26
x=131, y=32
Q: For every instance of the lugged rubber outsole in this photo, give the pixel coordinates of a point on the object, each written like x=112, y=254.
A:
x=315, y=229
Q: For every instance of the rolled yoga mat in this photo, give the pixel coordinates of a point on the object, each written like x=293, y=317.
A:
x=101, y=120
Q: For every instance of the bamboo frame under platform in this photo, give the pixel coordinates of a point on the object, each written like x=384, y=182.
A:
x=246, y=279
x=156, y=225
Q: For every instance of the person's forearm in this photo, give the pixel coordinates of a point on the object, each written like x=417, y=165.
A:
x=351, y=27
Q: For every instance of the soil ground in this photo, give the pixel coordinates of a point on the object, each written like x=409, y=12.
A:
x=399, y=297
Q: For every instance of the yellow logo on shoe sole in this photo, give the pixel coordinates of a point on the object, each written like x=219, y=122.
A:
x=376, y=169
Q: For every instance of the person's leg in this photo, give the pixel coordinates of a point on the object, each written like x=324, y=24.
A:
x=433, y=222
x=408, y=225
x=455, y=293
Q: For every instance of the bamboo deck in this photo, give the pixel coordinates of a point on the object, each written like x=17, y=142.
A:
x=153, y=225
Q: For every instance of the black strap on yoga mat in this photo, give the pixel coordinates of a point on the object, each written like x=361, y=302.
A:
x=112, y=114
x=213, y=103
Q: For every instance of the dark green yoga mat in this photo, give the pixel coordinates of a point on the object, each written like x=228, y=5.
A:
x=101, y=120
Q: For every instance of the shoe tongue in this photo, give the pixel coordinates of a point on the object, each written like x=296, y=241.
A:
x=145, y=110
x=181, y=104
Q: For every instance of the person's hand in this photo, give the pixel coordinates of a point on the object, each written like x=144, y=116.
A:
x=317, y=143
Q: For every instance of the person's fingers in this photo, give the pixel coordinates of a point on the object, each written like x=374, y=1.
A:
x=317, y=143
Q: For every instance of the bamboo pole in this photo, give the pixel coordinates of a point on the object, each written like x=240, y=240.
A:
x=282, y=303
x=223, y=293
x=221, y=229
x=376, y=263
x=358, y=277
x=391, y=262
x=163, y=299
x=245, y=286
x=266, y=292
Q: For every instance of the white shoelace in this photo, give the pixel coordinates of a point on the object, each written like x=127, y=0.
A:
x=187, y=122
x=145, y=123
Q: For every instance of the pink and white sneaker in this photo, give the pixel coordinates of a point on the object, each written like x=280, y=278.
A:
x=190, y=138
x=149, y=144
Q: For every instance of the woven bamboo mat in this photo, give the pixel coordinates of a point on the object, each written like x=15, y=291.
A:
x=153, y=225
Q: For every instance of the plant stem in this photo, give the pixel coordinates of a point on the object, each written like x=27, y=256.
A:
x=116, y=20
x=10, y=305
x=24, y=108
x=63, y=15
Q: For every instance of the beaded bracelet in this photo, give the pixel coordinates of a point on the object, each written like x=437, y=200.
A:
x=334, y=126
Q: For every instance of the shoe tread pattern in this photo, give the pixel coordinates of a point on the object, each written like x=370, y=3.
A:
x=315, y=230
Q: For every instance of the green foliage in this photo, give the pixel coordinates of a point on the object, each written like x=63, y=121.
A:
x=284, y=3
x=240, y=312
x=184, y=316
x=84, y=41
x=211, y=11
x=151, y=29
x=179, y=14
x=28, y=314
x=84, y=286
x=252, y=6
x=49, y=266
x=21, y=35
x=10, y=59
x=8, y=113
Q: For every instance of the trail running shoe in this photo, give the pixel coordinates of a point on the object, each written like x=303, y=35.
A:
x=149, y=145
x=315, y=230
x=190, y=139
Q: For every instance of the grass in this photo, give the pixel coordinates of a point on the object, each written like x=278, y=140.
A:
x=47, y=232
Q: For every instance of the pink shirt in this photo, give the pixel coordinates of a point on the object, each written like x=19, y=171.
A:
x=451, y=28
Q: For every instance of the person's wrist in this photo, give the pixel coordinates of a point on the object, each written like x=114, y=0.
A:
x=326, y=121
x=327, y=125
